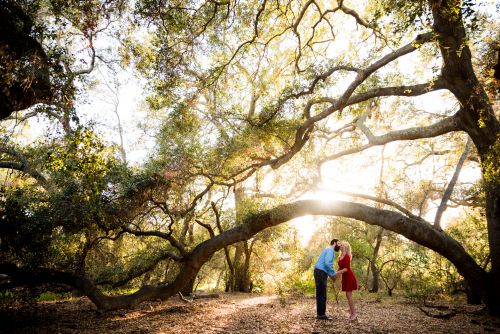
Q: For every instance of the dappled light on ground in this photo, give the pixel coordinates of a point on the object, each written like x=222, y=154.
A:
x=243, y=313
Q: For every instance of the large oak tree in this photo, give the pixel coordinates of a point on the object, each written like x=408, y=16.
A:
x=247, y=86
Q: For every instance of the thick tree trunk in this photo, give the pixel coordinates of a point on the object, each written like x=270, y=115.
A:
x=374, y=283
x=80, y=267
x=473, y=297
x=416, y=230
x=241, y=278
x=242, y=268
x=241, y=263
x=189, y=288
x=493, y=218
x=246, y=282
x=476, y=117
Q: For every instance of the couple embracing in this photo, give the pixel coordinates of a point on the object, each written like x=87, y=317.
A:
x=324, y=269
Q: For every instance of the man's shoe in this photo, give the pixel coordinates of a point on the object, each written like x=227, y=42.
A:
x=324, y=317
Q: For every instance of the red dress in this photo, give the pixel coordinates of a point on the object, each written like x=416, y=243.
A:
x=349, y=282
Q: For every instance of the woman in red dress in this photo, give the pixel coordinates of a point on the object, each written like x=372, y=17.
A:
x=349, y=282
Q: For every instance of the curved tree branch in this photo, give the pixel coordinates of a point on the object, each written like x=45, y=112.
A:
x=92, y=60
x=384, y=201
x=412, y=229
x=443, y=126
x=427, y=155
x=167, y=236
x=139, y=270
x=304, y=131
x=360, y=20
x=23, y=166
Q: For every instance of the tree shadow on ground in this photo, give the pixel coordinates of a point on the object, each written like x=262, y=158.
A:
x=237, y=313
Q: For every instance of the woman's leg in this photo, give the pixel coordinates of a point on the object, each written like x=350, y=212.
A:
x=352, y=309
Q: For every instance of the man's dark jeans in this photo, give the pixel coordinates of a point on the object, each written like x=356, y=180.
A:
x=320, y=278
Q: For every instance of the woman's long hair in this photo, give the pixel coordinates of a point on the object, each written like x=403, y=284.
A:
x=345, y=248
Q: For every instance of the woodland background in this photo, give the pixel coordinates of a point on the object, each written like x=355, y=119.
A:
x=152, y=148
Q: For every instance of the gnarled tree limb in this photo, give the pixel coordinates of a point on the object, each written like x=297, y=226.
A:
x=412, y=229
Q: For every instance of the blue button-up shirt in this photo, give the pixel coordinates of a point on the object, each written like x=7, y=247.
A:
x=325, y=261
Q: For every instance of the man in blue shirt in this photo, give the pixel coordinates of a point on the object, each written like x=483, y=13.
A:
x=322, y=270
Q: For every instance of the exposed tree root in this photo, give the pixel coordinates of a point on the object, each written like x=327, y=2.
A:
x=437, y=314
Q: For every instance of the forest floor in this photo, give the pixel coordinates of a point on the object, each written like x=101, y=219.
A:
x=245, y=313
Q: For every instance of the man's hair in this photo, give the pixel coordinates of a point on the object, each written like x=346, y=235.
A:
x=333, y=241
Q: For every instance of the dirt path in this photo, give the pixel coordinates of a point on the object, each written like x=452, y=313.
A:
x=239, y=313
